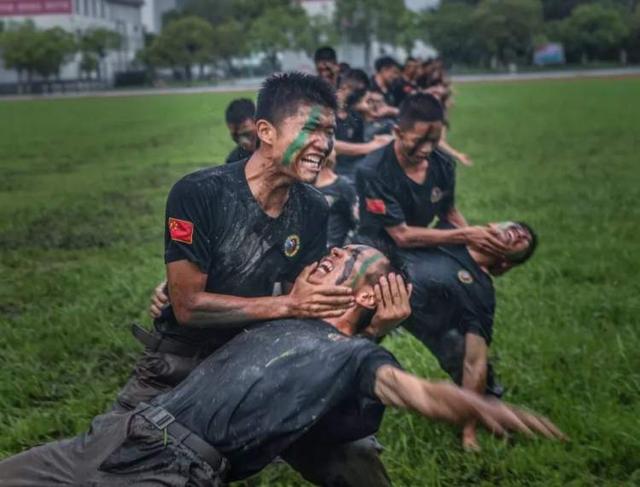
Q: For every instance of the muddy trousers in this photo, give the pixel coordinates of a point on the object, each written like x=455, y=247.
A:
x=120, y=449
x=350, y=464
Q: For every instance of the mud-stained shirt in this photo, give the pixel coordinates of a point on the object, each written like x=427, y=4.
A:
x=268, y=386
x=452, y=296
x=388, y=197
x=213, y=221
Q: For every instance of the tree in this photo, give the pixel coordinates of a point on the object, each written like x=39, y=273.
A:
x=96, y=43
x=183, y=43
x=360, y=21
x=450, y=30
x=278, y=29
x=506, y=28
x=593, y=31
x=19, y=48
x=633, y=43
x=55, y=46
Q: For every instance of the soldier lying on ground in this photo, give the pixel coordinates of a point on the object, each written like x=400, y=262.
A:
x=262, y=394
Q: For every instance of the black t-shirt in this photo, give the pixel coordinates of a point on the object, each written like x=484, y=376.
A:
x=389, y=95
x=401, y=88
x=451, y=296
x=237, y=154
x=267, y=387
x=343, y=210
x=349, y=129
x=214, y=221
x=388, y=197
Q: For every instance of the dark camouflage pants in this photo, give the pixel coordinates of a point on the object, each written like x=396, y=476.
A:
x=120, y=449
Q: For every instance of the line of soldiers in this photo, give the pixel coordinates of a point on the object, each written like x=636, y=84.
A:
x=235, y=373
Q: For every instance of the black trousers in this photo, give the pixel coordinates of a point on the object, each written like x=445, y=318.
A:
x=351, y=464
x=120, y=449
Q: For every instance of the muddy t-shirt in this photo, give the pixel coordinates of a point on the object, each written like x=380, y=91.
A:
x=388, y=197
x=259, y=393
x=213, y=221
x=342, y=201
x=452, y=296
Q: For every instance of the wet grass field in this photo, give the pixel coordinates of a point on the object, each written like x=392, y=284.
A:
x=82, y=189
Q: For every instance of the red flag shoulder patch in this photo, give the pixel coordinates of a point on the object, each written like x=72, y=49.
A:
x=181, y=230
x=376, y=206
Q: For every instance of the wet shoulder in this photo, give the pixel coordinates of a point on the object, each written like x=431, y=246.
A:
x=214, y=179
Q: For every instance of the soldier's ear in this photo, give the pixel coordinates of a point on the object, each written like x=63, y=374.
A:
x=366, y=298
x=266, y=132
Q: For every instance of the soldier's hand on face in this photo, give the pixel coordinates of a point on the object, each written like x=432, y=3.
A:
x=159, y=300
x=307, y=300
x=486, y=240
x=392, y=296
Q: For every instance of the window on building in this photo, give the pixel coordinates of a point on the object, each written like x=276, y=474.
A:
x=85, y=7
x=102, y=9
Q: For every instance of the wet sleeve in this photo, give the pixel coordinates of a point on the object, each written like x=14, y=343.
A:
x=372, y=357
x=188, y=223
x=477, y=323
x=377, y=201
x=351, y=200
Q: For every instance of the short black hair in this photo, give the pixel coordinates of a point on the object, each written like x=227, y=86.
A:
x=282, y=94
x=357, y=76
x=325, y=53
x=355, y=97
x=240, y=110
x=525, y=255
x=419, y=107
x=385, y=62
x=410, y=59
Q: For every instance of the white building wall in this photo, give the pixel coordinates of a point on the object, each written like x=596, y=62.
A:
x=91, y=14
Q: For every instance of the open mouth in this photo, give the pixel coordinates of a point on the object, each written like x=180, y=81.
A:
x=324, y=267
x=312, y=162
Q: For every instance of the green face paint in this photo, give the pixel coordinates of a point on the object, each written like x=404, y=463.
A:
x=364, y=267
x=303, y=136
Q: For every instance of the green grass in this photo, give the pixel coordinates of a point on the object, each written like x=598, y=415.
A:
x=82, y=188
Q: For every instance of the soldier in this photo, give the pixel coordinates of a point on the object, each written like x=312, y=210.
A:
x=270, y=389
x=241, y=123
x=453, y=305
x=234, y=231
x=403, y=187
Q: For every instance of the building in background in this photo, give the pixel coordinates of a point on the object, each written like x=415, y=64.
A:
x=76, y=16
x=152, y=12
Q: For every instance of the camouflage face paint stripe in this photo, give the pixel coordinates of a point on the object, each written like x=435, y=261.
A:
x=301, y=139
x=365, y=266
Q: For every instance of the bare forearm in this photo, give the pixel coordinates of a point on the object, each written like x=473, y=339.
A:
x=208, y=310
x=427, y=237
x=456, y=218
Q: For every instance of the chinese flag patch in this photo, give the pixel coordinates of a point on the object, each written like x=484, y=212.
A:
x=181, y=230
x=376, y=206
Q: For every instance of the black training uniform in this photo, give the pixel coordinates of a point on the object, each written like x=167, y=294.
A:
x=349, y=129
x=388, y=197
x=213, y=221
x=452, y=296
x=343, y=211
x=252, y=400
x=237, y=154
